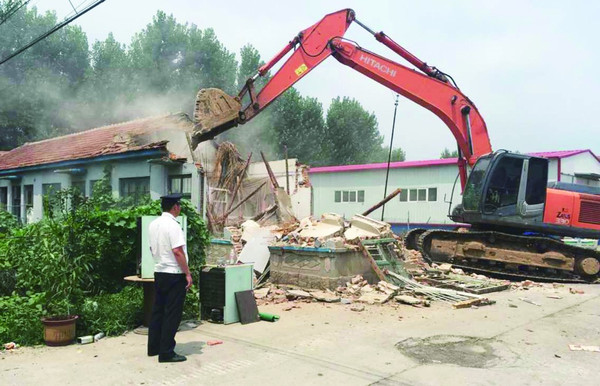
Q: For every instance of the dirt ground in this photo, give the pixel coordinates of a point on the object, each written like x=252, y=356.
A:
x=510, y=342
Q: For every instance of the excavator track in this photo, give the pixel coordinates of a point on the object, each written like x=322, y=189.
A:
x=503, y=254
x=411, y=238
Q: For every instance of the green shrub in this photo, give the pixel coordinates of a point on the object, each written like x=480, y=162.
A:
x=112, y=314
x=79, y=255
x=20, y=318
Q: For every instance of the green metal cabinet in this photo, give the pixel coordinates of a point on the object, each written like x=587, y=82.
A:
x=218, y=286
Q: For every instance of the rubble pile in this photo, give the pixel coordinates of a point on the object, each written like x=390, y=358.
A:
x=331, y=231
x=356, y=291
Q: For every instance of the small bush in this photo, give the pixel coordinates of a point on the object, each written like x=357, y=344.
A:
x=112, y=314
x=20, y=319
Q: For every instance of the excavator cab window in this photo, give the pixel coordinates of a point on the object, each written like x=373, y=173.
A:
x=474, y=187
x=503, y=188
x=537, y=177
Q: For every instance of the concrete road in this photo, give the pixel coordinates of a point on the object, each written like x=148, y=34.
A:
x=328, y=344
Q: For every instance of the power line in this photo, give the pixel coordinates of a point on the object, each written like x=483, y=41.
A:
x=14, y=10
x=53, y=30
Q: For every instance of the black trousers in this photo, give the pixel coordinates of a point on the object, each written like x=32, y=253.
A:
x=166, y=313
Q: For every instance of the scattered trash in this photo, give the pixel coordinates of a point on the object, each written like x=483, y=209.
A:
x=10, y=346
x=554, y=297
x=85, y=339
x=357, y=307
x=576, y=291
x=513, y=305
x=530, y=301
x=578, y=347
x=98, y=336
x=214, y=342
x=472, y=303
x=268, y=317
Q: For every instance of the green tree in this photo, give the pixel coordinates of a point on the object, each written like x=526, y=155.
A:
x=298, y=123
x=382, y=156
x=352, y=134
x=34, y=84
x=449, y=154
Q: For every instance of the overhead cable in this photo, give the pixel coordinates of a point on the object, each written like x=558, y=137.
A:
x=50, y=32
x=14, y=10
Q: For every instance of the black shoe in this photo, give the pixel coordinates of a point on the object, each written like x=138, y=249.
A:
x=173, y=358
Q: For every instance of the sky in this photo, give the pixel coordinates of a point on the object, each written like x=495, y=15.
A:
x=529, y=66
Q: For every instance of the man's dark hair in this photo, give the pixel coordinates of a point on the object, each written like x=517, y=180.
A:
x=166, y=205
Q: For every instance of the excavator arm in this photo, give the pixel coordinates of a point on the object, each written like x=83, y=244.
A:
x=217, y=112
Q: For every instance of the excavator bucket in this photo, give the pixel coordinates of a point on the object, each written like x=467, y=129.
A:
x=215, y=112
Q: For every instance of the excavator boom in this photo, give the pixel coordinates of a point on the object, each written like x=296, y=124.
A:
x=217, y=112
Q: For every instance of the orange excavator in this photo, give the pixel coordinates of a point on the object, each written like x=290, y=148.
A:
x=516, y=218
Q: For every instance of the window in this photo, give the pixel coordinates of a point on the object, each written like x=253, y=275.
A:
x=79, y=186
x=136, y=188
x=537, y=179
x=16, y=201
x=404, y=195
x=503, y=186
x=422, y=194
x=432, y=194
x=349, y=196
x=181, y=184
x=49, y=191
x=93, y=186
x=413, y=195
x=3, y=198
x=28, y=197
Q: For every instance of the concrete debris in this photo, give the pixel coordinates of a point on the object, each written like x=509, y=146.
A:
x=472, y=303
x=295, y=294
x=327, y=297
x=578, y=347
x=374, y=298
x=261, y=293
x=362, y=227
x=526, y=300
x=331, y=225
x=410, y=300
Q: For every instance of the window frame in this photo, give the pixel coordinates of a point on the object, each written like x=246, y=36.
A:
x=137, y=195
x=3, y=197
x=429, y=190
x=180, y=177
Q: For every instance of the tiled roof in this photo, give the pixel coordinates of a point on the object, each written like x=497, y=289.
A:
x=112, y=139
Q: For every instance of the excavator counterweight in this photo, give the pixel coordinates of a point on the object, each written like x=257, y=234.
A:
x=214, y=113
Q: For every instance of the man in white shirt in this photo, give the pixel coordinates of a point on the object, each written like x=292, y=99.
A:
x=172, y=278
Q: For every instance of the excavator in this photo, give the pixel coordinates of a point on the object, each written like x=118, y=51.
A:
x=515, y=218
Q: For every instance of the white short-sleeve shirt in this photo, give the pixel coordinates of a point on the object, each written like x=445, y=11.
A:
x=165, y=234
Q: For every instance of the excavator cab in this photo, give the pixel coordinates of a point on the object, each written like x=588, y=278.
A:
x=505, y=189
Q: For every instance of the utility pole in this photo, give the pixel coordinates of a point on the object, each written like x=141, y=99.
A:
x=387, y=173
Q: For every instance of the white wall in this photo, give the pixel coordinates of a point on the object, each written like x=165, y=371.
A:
x=372, y=182
x=580, y=163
